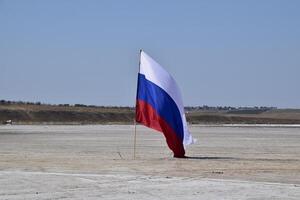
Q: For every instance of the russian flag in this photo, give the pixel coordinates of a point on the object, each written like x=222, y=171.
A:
x=159, y=105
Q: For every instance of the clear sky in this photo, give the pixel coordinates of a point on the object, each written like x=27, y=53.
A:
x=235, y=53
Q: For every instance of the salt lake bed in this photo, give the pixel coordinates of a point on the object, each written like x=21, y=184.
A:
x=96, y=161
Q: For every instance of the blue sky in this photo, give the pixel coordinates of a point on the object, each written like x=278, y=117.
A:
x=237, y=53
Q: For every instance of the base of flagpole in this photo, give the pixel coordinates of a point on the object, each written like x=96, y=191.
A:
x=176, y=156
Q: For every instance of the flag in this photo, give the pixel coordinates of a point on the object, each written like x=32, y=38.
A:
x=159, y=105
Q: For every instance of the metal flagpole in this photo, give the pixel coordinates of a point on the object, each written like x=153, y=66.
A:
x=134, y=140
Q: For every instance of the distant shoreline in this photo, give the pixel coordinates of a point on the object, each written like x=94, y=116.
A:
x=297, y=126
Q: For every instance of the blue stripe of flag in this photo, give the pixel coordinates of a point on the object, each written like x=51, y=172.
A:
x=161, y=102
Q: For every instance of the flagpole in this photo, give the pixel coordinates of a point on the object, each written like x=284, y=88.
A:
x=134, y=145
x=134, y=121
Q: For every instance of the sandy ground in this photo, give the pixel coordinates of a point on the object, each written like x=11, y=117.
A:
x=96, y=162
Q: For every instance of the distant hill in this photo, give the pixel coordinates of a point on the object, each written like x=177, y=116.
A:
x=38, y=113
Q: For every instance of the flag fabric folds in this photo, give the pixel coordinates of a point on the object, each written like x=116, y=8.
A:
x=159, y=105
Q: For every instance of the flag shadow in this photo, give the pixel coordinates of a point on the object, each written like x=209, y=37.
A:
x=209, y=158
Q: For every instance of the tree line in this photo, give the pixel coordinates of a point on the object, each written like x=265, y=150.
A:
x=187, y=108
